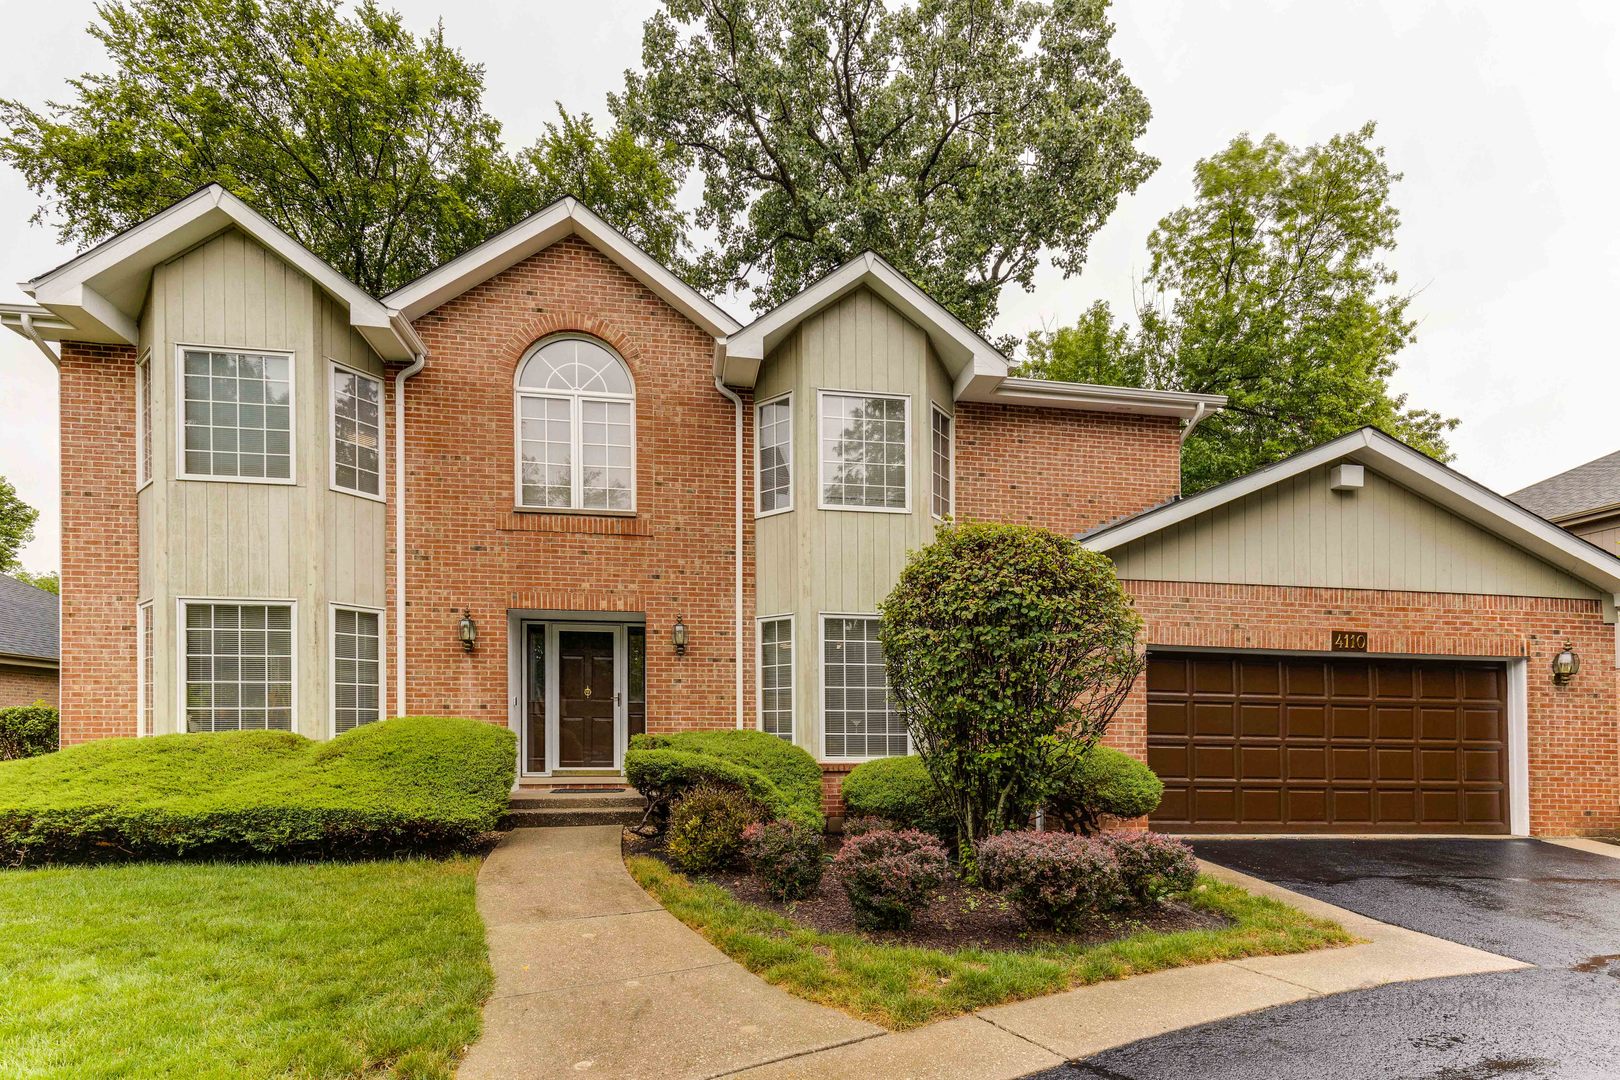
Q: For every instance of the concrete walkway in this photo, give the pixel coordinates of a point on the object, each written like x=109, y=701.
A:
x=594, y=978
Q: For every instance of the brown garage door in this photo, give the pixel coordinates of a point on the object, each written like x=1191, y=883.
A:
x=1256, y=743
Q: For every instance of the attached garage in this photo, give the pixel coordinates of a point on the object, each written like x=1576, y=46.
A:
x=1360, y=640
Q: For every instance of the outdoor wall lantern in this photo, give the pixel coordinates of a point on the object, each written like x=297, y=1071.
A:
x=1566, y=664
x=679, y=637
x=468, y=632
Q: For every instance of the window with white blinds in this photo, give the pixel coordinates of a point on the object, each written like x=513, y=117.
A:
x=858, y=718
x=239, y=666
x=776, y=677
x=356, y=668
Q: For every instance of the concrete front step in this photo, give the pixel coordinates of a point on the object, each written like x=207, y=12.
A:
x=549, y=800
x=555, y=816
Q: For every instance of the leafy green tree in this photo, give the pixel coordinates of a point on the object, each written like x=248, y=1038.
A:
x=957, y=138
x=16, y=526
x=1008, y=649
x=50, y=582
x=369, y=145
x=1270, y=288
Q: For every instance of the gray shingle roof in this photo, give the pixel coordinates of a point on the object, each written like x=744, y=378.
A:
x=1585, y=487
x=29, y=621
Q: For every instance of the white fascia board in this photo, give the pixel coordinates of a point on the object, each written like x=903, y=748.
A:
x=963, y=351
x=47, y=324
x=565, y=217
x=1414, y=471
x=1092, y=397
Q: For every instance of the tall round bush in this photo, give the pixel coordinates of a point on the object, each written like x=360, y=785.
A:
x=706, y=828
x=1008, y=648
x=887, y=875
x=1152, y=868
x=1104, y=781
x=1053, y=879
x=900, y=791
x=28, y=730
x=785, y=856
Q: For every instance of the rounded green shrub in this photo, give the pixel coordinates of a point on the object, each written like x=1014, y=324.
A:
x=785, y=857
x=781, y=777
x=28, y=730
x=706, y=828
x=900, y=791
x=1104, y=781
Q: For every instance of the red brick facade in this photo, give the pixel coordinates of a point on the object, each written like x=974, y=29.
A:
x=100, y=573
x=26, y=685
x=1069, y=471
x=1574, y=749
x=467, y=548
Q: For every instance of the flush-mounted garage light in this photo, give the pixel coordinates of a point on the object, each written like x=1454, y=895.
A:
x=1566, y=664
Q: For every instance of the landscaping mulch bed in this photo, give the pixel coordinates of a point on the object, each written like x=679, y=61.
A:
x=958, y=916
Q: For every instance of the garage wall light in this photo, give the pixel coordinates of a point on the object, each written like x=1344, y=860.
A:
x=467, y=631
x=1566, y=664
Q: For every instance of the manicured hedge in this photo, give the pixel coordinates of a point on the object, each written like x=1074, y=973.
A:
x=781, y=777
x=1106, y=781
x=899, y=791
x=409, y=784
x=28, y=730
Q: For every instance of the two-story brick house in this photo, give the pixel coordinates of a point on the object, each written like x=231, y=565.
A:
x=550, y=485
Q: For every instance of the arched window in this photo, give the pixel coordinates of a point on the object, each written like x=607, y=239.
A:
x=576, y=413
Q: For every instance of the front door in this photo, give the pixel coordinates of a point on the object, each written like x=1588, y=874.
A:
x=587, y=698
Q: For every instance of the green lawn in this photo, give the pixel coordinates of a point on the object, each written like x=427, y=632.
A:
x=202, y=970
x=902, y=987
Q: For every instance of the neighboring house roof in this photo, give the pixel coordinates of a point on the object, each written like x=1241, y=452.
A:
x=565, y=217
x=97, y=295
x=1413, y=470
x=29, y=620
x=978, y=369
x=1585, y=489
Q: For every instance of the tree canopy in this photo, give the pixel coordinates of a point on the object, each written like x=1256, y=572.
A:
x=1271, y=288
x=369, y=145
x=959, y=139
x=16, y=526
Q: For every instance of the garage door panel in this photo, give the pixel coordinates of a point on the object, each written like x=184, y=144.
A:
x=1279, y=743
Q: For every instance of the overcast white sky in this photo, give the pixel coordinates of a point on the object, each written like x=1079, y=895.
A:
x=1502, y=118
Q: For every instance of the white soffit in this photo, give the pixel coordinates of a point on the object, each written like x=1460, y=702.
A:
x=98, y=294
x=1413, y=470
x=563, y=218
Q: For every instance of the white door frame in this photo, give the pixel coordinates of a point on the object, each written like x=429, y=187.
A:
x=518, y=666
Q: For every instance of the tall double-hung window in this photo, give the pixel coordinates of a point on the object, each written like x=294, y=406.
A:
x=858, y=718
x=774, y=434
x=864, y=443
x=237, y=414
x=576, y=430
x=356, y=432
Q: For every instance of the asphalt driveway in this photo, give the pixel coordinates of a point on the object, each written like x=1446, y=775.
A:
x=1540, y=903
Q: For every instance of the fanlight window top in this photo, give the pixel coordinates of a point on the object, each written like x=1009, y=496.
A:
x=577, y=365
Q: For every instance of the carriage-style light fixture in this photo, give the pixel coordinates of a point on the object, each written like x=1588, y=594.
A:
x=679, y=636
x=1566, y=664
x=468, y=632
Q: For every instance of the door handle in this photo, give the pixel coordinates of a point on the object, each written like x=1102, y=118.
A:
x=618, y=699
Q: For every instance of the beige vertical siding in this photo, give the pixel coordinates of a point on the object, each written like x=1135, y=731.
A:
x=300, y=541
x=812, y=561
x=1605, y=534
x=1300, y=532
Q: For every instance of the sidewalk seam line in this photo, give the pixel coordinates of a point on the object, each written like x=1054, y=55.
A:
x=801, y=1054
x=1275, y=978
x=572, y=918
x=606, y=982
x=1020, y=1035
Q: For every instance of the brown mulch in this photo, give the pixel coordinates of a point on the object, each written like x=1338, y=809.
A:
x=958, y=916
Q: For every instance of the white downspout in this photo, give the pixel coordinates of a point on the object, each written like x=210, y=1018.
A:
x=737, y=408
x=399, y=528
x=34, y=335
x=1199, y=413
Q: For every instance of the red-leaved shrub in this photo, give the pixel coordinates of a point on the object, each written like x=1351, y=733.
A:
x=1053, y=879
x=887, y=874
x=1152, y=868
x=785, y=857
x=865, y=823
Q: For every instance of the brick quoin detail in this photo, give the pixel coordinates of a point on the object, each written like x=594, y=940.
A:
x=1574, y=746
x=1068, y=471
x=26, y=685
x=100, y=541
x=466, y=546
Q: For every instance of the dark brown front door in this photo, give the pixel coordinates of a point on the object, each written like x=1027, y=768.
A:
x=1257, y=743
x=585, y=699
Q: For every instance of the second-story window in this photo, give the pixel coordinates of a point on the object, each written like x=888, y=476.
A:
x=774, y=430
x=864, y=439
x=943, y=465
x=356, y=432
x=143, y=416
x=238, y=414
x=575, y=428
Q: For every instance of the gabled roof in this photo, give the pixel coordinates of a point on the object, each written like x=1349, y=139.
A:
x=29, y=621
x=1585, y=489
x=98, y=294
x=565, y=217
x=1413, y=470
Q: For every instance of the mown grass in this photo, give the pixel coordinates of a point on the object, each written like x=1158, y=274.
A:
x=240, y=970
x=900, y=986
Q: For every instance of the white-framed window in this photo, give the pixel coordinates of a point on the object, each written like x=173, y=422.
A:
x=858, y=719
x=143, y=623
x=143, y=418
x=773, y=434
x=357, y=432
x=865, y=452
x=238, y=665
x=776, y=676
x=357, y=667
x=944, y=463
x=576, y=428
x=237, y=415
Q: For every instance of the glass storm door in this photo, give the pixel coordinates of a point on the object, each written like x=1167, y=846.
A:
x=588, y=698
